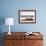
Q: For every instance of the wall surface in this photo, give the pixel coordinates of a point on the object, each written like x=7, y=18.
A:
x=9, y=8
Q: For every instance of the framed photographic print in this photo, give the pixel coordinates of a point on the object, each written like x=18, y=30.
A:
x=27, y=16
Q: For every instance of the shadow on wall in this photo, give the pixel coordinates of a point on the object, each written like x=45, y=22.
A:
x=2, y=21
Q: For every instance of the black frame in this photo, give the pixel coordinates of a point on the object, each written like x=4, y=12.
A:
x=24, y=11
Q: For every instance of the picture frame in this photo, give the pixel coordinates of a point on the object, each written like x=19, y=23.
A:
x=27, y=16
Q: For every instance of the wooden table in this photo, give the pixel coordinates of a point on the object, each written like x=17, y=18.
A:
x=20, y=39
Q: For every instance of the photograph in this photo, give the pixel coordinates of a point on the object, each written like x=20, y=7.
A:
x=27, y=16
